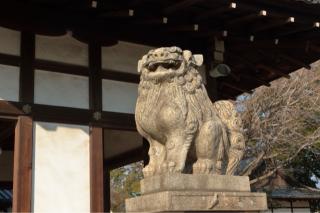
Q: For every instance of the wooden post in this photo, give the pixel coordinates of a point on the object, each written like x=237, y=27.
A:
x=96, y=170
x=26, y=67
x=22, y=171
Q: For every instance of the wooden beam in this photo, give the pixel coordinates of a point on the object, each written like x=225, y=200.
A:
x=10, y=108
x=22, y=170
x=40, y=112
x=182, y=4
x=61, y=67
x=96, y=170
x=10, y=60
x=118, y=121
x=71, y=69
x=120, y=76
x=26, y=91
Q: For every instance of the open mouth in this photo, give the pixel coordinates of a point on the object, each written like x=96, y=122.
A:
x=166, y=64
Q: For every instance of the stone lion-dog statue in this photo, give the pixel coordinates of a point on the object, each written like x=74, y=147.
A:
x=186, y=132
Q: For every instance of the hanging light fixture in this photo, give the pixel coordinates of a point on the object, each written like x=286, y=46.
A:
x=221, y=70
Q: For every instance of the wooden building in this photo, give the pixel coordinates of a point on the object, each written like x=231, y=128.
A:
x=68, y=81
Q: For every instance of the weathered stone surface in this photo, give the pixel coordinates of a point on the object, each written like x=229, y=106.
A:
x=198, y=201
x=186, y=131
x=182, y=182
x=192, y=141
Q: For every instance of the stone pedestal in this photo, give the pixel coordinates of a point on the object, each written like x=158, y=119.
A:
x=185, y=192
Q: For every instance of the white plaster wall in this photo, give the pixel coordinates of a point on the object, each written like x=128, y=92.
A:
x=64, y=49
x=124, y=56
x=9, y=82
x=60, y=89
x=119, y=96
x=9, y=41
x=61, y=181
x=6, y=166
x=282, y=210
x=302, y=210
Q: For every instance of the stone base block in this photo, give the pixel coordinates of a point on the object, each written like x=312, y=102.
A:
x=196, y=193
x=181, y=182
x=169, y=201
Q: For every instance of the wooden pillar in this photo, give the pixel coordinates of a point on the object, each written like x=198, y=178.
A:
x=97, y=178
x=22, y=171
x=95, y=80
x=27, y=51
x=96, y=170
x=291, y=207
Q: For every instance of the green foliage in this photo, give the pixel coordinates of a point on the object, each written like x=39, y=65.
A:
x=124, y=183
x=305, y=168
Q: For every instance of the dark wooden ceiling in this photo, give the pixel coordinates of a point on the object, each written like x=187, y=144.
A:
x=191, y=24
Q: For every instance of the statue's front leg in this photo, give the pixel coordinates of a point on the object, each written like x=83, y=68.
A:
x=156, y=158
x=176, y=154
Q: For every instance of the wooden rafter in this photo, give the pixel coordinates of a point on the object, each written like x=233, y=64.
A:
x=294, y=31
x=243, y=19
x=248, y=77
x=235, y=87
x=180, y=5
x=273, y=24
x=273, y=70
x=295, y=61
x=210, y=13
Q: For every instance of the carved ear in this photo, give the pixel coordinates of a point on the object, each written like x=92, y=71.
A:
x=198, y=59
x=187, y=55
x=140, y=62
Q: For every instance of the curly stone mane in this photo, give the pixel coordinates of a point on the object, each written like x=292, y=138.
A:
x=185, y=83
x=174, y=113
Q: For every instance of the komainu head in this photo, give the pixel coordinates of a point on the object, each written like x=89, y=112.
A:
x=164, y=63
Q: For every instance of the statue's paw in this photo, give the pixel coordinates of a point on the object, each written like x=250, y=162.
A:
x=203, y=166
x=170, y=167
x=148, y=171
x=164, y=168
